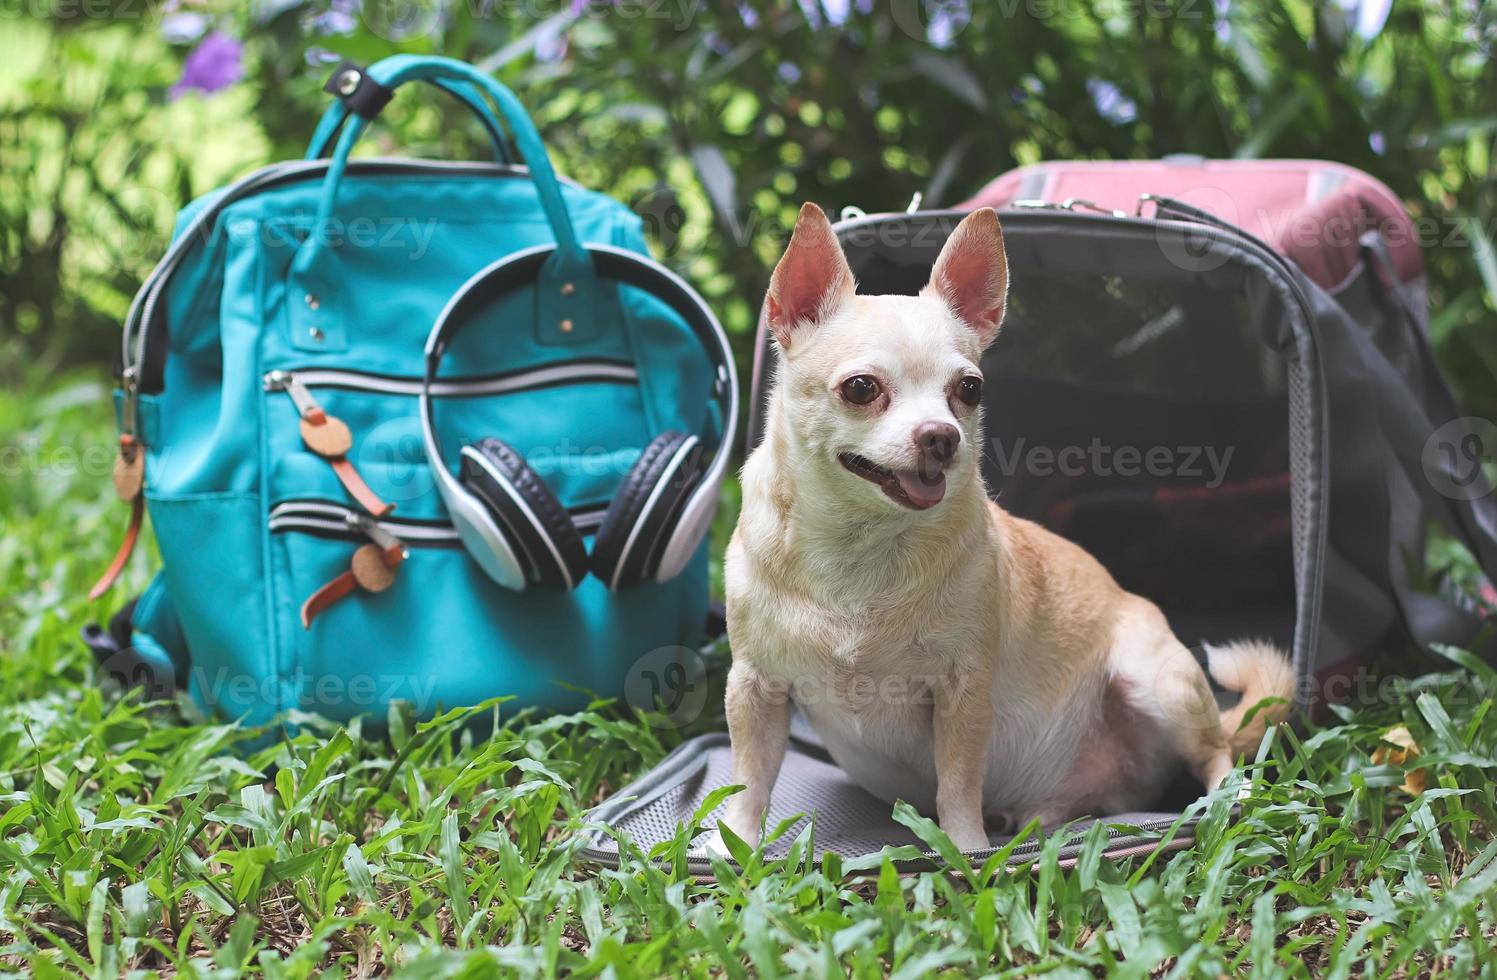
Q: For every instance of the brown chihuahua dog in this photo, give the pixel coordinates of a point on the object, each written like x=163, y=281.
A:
x=946, y=653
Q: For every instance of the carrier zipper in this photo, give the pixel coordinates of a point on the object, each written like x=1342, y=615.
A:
x=297, y=381
x=1071, y=204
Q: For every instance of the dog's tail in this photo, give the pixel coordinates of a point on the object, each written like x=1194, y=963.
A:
x=1256, y=669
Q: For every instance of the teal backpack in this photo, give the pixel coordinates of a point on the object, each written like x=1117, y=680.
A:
x=315, y=335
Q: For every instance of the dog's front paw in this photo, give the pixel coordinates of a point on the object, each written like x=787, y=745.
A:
x=968, y=837
x=734, y=822
x=715, y=843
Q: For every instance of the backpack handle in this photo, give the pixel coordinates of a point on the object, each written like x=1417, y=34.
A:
x=343, y=85
x=565, y=286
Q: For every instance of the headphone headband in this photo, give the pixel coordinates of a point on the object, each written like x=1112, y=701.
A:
x=618, y=265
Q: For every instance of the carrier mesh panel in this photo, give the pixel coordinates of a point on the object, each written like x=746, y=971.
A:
x=849, y=821
x=1146, y=421
x=806, y=785
x=1303, y=468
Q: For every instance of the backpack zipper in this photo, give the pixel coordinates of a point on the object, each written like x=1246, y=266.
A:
x=335, y=520
x=344, y=522
x=296, y=381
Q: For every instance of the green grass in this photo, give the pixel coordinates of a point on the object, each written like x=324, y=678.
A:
x=131, y=840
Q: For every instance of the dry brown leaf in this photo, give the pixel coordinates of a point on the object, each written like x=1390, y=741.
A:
x=1397, y=749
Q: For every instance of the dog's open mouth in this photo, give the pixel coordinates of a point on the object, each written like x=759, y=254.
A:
x=911, y=488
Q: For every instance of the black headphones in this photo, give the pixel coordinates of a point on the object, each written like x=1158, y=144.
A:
x=511, y=523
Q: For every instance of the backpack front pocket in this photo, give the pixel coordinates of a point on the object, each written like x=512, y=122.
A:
x=437, y=631
x=533, y=410
x=442, y=633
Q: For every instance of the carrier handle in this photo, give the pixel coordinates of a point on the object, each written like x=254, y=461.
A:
x=365, y=92
x=565, y=285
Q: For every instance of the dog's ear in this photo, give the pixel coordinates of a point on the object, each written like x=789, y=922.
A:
x=971, y=274
x=812, y=278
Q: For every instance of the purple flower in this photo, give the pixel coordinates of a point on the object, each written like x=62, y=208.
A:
x=1378, y=142
x=1223, y=22
x=341, y=17
x=213, y=65
x=947, y=19
x=551, y=45
x=1110, y=101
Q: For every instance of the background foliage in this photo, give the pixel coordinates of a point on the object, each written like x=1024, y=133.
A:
x=716, y=119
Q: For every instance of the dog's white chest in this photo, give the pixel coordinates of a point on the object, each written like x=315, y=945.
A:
x=869, y=689
x=868, y=694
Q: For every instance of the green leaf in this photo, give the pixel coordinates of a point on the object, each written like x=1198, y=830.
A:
x=713, y=800
x=739, y=849
x=359, y=876
x=934, y=837
x=1434, y=713
x=452, y=870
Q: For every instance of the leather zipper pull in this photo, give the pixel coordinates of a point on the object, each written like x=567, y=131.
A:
x=129, y=469
x=129, y=482
x=372, y=569
x=329, y=437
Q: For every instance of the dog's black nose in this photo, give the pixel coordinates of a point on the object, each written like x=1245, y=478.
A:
x=938, y=441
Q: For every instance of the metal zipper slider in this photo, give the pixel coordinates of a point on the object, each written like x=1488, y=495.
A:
x=306, y=405
x=1069, y=204
x=1082, y=204
x=131, y=385
x=371, y=568
x=376, y=532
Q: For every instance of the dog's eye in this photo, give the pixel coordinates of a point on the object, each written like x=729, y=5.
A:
x=860, y=389
x=969, y=390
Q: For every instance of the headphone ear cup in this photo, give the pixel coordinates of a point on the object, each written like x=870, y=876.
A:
x=644, y=511
x=535, y=523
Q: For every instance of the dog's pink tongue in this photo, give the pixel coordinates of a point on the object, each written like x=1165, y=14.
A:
x=921, y=491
